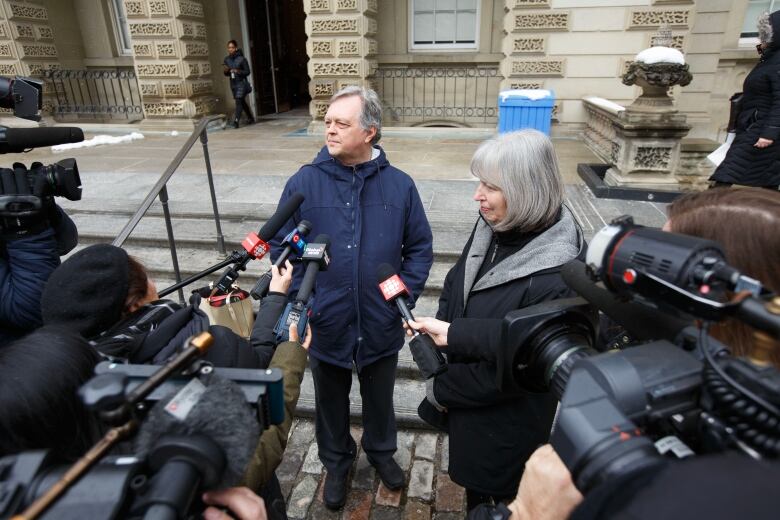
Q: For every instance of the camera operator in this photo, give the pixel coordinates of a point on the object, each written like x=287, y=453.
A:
x=30, y=250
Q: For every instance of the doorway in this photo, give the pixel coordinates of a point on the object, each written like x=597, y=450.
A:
x=277, y=38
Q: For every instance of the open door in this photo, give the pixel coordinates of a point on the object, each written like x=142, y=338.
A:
x=277, y=38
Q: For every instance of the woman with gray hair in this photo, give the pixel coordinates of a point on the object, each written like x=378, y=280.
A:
x=522, y=237
x=754, y=157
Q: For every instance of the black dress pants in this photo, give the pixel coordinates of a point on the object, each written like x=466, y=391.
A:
x=331, y=388
x=242, y=104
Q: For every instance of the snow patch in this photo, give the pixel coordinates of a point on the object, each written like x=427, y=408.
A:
x=660, y=55
x=97, y=141
x=605, y=103
x=532, y=94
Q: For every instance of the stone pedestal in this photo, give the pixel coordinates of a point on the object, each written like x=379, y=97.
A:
x=642, y=147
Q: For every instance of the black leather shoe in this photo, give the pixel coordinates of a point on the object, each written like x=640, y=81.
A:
x=391, y=474
x=234, y=124
x=335, y=493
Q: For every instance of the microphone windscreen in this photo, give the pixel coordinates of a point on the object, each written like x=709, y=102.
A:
x=220, y=413
x=384, y=271
x=642, y=321
x=283, y=213
x=20, y=139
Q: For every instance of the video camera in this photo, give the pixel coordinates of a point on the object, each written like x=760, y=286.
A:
x=679, y=393
x=26, y=195
x=197, y=428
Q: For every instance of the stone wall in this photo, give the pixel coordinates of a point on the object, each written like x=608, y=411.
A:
x=171, y=57
x=342, y=48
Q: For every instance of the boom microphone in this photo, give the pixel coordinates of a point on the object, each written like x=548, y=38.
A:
x=294, y=241
x=427, y=357
x=642, y=321
x=17, y=140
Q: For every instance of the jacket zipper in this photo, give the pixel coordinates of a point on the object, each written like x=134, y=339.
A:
x=356, y=260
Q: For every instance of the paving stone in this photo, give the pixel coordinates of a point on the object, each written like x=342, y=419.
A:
x=449, y=495
x=448, y=516
x=386, y=513
x=403, y=456
x=312, y=462
x=363, y=477
x=425, y=446
x=287, y=471
x=387, y=497
x=357, y=433
x=416, y=510
x=301, y=497
x=444, y=465
x=319, y=511
x=303, y=434
x=358, y=506
x=421, y=480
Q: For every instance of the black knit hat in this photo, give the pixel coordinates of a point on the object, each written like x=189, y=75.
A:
x=87, y=292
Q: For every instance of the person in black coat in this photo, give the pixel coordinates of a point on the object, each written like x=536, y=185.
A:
x=754, y=157
x=236, y=67
x=523, y=236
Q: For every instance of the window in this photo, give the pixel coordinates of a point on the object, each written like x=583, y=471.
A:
x=444, y=24
x=753, y=11
x=124, y=43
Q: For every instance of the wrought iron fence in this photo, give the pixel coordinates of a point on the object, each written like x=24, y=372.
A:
x=442, y=94
x=100, y=94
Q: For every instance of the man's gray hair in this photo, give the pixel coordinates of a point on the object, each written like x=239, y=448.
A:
x=523, y=166
x=764, y=25
x=371, y=114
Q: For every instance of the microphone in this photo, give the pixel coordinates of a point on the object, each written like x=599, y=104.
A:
x=201, y=437
x=642, y=321
x=317, y=258
x=256, y=244
x=294, y=241
x=424, y=352
x=17, y=140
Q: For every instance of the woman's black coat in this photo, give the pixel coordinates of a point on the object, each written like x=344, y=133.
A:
x=238, y=84
x=759, y=116
x=492, y=433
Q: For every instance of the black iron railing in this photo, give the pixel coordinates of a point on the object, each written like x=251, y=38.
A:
x=160, y=190
x=460, y=94
x=100, y=94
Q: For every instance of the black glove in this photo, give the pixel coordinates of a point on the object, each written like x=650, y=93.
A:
x=24, y=210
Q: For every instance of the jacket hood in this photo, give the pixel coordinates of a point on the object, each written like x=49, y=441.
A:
x=558, y=245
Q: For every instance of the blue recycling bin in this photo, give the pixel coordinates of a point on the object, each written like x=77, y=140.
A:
x=518, y=109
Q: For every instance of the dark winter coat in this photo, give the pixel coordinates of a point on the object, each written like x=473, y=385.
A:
x=493, y=432
x=759, y=116
x=373, y=215
x=239, y=83
x=25, y=265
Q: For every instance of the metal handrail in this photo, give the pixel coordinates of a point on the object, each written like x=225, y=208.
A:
x=160, y=190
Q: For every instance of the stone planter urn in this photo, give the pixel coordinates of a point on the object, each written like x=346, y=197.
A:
x=656, y=70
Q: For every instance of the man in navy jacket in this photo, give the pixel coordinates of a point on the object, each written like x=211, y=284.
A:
x=373, y=214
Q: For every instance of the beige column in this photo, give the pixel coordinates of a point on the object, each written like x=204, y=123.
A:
x=171, y=57
x=341, y=47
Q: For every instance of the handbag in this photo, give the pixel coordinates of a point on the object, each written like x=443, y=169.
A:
x=232, y=310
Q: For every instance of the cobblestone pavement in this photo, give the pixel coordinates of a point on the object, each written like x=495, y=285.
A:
x=428, y=495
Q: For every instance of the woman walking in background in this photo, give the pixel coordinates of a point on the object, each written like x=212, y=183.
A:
x=236, y=68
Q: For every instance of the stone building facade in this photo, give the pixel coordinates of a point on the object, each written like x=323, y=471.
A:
x=173, y=50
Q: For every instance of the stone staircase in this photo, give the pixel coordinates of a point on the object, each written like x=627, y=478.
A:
x=100, y=219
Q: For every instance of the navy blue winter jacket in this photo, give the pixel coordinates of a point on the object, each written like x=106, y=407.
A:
x=373, y=215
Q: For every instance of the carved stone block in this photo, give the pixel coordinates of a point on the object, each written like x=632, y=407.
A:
x=336, y=68
x=334, y=26
x=372, y=5
x=4, y=31
x=349, y=48
x=346, y=5
x=526, y=85
x=552, y=21
x=8, y=69
x=6, y=50
x=319, y=5
x=187, y=29
x=324, y=88
x=189, y=8
x=205, y=68
x=164, y=109
x=158, y=70
x=641, y=19
x=652, y=158
x=371, y=26
x=373, y=46
x=677, y=42
x=166, y=50
x=172, y=89
x=204, y=106
x=38, y=50
x=44, y=32
x=150, y=29
x=150, y=89
x=522, y=4
x=527, y=45
x=322, y=48
x=37, y=69
x=23, y=31
x=320, y=109
x=28, y=11
x=546, y=67
x=199, y=88
x=192, y=69
x=159, y=8
x=196, y=49
x=200, y=31
x=143, y=50
x=135, y=8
